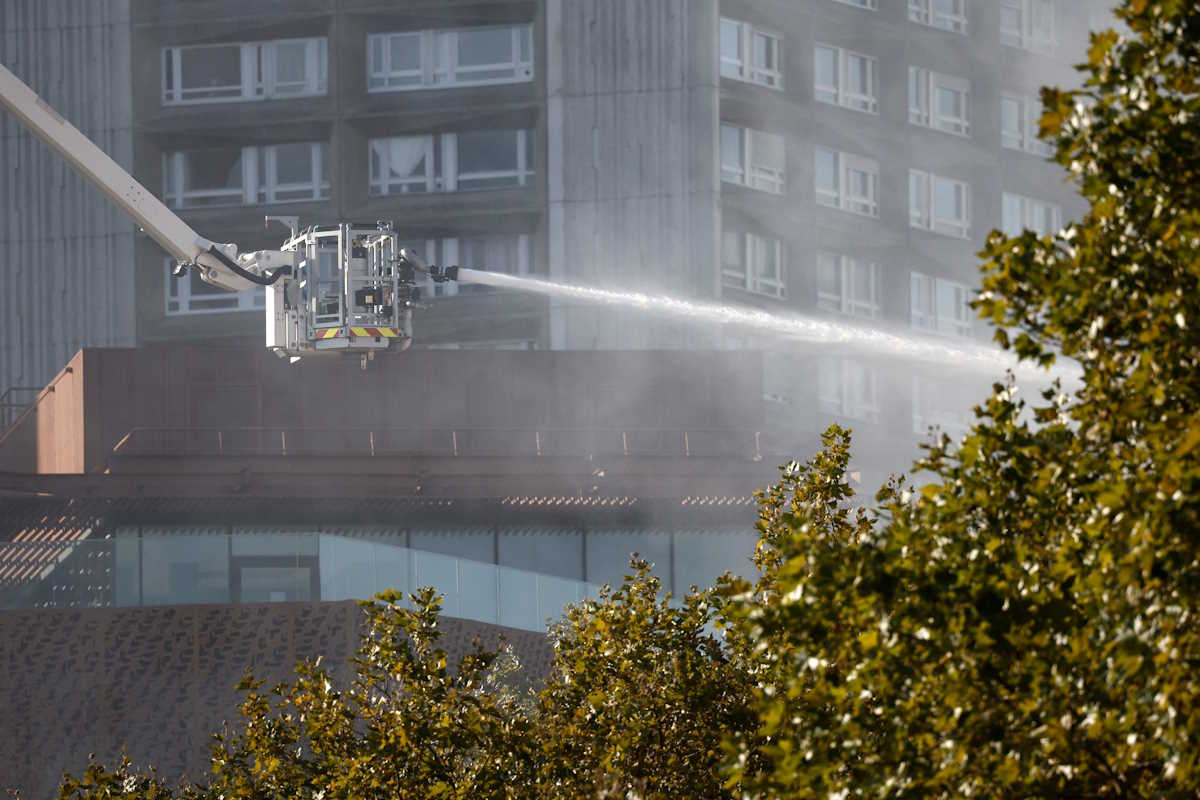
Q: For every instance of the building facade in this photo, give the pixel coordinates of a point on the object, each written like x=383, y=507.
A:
x=838, y=158
x=66, y=253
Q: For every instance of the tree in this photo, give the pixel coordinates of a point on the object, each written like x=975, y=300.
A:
x=637, y=703
x=1026, y=624
x=640, y=696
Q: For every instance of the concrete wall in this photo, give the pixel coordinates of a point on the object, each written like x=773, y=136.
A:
x=109, y=392
x=66, y=253
x=632, y=102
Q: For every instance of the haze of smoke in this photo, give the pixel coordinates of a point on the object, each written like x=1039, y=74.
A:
x=968, y=355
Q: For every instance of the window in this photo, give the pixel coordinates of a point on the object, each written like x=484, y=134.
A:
x=847, y=182
x=451, y=162
x=848, y=388
x=222, y=73
x=1024, y=213
x=1028, y=24
x=508, y=254
x=752, y=263
x=940, y=404
x=949, y=15
x=752, y=158
x=939, y=101
x=469, y=57
x=846, y=79
x=938, y=204
x=1019, y=117
x=277, y=173
x=847, y=286
x=870, y=5
x=940, y=306
x=748, y=54
x=190, y=295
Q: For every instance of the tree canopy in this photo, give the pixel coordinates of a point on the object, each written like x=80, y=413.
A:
x=1023, y=625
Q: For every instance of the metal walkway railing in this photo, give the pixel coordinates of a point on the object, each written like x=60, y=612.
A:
x=455, y=442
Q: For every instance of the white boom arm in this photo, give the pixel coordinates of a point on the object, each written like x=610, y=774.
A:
x=216, y=261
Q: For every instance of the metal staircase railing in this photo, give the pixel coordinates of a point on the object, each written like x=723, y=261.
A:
x=13, y=403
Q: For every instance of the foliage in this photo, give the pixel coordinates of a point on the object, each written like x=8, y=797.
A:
x=1024, y=625
x=637, y=703
x=640, y=697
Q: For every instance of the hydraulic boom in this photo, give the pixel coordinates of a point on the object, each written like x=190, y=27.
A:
x=338, y=288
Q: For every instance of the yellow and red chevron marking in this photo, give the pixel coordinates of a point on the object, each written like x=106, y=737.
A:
x=328, y=333
x=375, y=333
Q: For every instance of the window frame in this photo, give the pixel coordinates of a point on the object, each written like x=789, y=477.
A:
x=845, y=163
x=923, y=214
x=1027, y=210
x=258, y=72
x=445, y=251
x=1026, y=141
x=926, y=12
x=845, y=374
x=258, y=187
x=761, y=177
x=743, y=67
x=865, y=5
x=928, y=288
x=924, y=108
x=845, y=302
x=745, y=277
x=442, y=172
x=837, y=94
x=1027, y=35
x=439, y=64
x=179, y=292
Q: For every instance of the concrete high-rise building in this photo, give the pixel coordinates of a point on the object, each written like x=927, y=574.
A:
x=838, y=158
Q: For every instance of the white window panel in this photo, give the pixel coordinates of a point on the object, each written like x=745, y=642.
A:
x=407, y=60
x=749, y=54
x=939, y=101
x=869, y=5
x=190, y=295
x=492, y=159
x=1022, y=213
x=281, y=173
x=245, y=71
x=753, y=263
x=510, y=254
x=753, y=158
x=939, y=204
x=845, y=78
x=1019, y=117
x=293, y=172
x=847, y=285
x=1028, y=24
x=940, y=306
x=941, y=405
x=403, y=164
x=450, y=162
x=848, y=388
x=395, y=61
x=949, y=15
x=847, y=182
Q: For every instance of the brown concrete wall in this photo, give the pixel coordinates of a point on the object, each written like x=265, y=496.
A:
x=49, y=438
x=158, y=681
x=110, y=391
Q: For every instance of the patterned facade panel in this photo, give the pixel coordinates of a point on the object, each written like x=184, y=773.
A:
x=158, y=681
